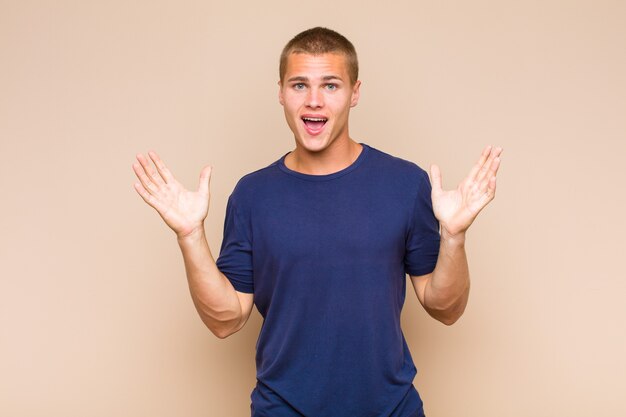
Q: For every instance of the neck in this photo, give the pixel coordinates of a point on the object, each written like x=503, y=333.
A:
x=339, y=155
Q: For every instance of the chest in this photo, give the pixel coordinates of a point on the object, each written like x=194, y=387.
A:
x=324, y=224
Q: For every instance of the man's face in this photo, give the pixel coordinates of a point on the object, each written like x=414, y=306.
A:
x=317, y=95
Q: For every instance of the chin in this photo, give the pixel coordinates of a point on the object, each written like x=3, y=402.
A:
x=313, y=144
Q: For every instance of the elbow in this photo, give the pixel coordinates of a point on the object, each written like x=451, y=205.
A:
x=221, y=323
x=222, y=333
x=449, y=320
x=450, y=313
x=446, y=317
x=222, y=330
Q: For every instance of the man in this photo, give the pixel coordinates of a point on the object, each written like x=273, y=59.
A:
x=320, y=241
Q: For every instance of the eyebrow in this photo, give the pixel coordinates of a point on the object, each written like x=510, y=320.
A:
x=325, y=78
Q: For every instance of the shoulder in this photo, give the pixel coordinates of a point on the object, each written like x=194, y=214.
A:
x=254, y=183
x=400, y=169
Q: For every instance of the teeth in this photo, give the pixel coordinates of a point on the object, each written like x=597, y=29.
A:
x=314, y=119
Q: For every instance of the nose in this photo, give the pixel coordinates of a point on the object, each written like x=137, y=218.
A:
x=314, y=99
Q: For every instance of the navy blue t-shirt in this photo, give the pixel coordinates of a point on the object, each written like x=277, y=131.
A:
x=326, y=258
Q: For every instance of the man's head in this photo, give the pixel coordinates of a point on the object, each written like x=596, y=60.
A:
x=318, y=86
x=318, y=41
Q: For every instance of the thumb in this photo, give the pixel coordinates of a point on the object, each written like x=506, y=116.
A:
x=435, y=178
x=205, y=179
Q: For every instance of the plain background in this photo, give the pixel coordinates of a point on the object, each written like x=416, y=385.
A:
x=95, y=313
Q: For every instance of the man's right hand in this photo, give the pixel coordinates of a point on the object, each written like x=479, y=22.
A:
x=184, y=211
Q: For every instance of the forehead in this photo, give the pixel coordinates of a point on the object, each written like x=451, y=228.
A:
x=316, y=66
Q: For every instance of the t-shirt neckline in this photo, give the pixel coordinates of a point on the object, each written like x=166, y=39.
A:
x=310, y=177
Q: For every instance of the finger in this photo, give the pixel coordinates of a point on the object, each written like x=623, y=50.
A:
x=481, y=161
x=145, y=181
x=489, y=193
x=495, y=163
x=147, y=197
x=487, y=167
x=491, y=189
x=435, y=178
x=205, y=179
x=164, y=172
x=493, y=169
x=150, y=172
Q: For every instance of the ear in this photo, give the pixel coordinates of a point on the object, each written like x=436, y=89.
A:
x=356, y=93
x=281, y=100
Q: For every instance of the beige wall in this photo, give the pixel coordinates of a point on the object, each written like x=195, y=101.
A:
x=95, y=314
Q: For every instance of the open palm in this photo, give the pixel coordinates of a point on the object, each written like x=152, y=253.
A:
x=184, y=211
x=457, y=209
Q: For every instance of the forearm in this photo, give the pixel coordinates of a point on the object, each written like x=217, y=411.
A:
x=212, y=293
x=447, y=292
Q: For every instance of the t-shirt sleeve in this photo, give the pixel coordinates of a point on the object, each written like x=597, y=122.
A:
x=422, y=242
x=235, y=258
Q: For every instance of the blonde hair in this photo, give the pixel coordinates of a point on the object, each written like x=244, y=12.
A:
x=317, y=41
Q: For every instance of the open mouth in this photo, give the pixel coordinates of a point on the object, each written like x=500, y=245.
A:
x=314, y=125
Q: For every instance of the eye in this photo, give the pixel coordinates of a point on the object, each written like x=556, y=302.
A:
x=331, y=87
x=298, y=86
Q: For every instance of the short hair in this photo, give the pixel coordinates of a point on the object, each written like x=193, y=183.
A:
x=317, y=41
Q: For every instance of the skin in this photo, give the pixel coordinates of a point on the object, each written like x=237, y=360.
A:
x=320, y=85
x=222, y=309
x=444, y=292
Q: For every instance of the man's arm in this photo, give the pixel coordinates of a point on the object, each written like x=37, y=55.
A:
x=222, y=309
x=445, y=291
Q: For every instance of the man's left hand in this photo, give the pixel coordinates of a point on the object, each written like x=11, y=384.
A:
x=457, y=209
